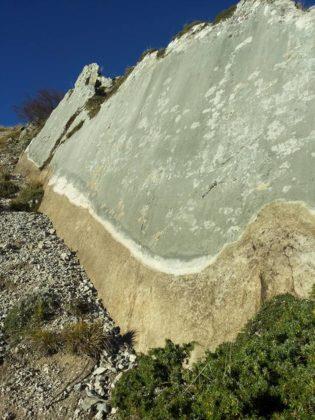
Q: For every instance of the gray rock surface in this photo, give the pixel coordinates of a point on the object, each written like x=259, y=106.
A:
x=192, y=145
x=188, y=191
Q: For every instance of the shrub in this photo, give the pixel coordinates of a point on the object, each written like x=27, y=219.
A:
x=225, y=14
x=150, y=391
x=128, y=339
x=3, y=282
x=37, y=109
x=93, y=104
x=70, y=121
x=128, y=71
x=118, y=81
x=28, y=199
x=268, y=372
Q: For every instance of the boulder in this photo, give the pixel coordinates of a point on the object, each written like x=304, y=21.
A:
x=188, y=186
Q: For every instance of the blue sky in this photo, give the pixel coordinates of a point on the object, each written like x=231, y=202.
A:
x=45, y=43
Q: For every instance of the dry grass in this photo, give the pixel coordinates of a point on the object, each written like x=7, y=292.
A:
x=7, y=187
x=188, y=27
x=161, y=53
x=9, y=133
x=29, y=321
x=70, y=121
x=225, y=14
x=44, y=342
x=81, y=338
x=4, y=175
x=75, y=129
x=147, y=52
x=93, y=105
x=85, y=338
x=28, y=199
x=30, y=313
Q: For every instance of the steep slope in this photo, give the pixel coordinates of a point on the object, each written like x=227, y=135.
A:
x=187, y=188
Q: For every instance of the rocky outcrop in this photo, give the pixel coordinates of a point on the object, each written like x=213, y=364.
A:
x=187, y=186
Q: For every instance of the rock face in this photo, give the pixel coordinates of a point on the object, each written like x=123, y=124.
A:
x=188, y=191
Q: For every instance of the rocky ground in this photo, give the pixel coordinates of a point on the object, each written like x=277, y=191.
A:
x=59, y=384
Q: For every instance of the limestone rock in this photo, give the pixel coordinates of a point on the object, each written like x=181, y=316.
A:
x=189, y=194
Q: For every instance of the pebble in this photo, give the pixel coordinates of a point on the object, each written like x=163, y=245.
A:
x=99, y=371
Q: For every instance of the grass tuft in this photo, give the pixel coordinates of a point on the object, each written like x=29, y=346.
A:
x=8, y=189
x=85, y=338
x=81, y=338
x=31, y=312
x=44, y=341
x=28, y=199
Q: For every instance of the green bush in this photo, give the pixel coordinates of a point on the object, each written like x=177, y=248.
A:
x=154, y=389
x=268, y=372
x=28, y=199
